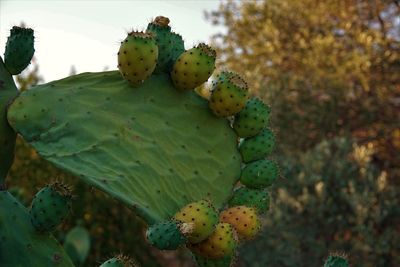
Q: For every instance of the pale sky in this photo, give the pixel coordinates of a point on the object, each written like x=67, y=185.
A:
x=86, y=34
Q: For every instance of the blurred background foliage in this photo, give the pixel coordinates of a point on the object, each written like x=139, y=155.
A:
x=330, y=71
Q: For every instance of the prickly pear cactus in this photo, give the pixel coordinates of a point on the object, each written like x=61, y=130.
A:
x=336, y=260
x=21, y=244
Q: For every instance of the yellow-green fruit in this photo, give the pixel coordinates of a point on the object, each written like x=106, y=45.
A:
x=137, y=57
x=222, y=242
x=243, y=219
x=201, y=217
x=193, y=67
x=229, y=94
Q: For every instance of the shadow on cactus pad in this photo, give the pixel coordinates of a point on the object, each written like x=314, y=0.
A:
x=152, y=147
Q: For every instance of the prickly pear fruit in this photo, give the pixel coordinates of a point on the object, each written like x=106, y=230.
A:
x=228, y=95
x=255, y=198
x=170, y=45
x=119, y=261
x=243, y=219
x=257, y=147
x=336, y=260
x=202, y=218
x=222, y=242
x=19, y=49
x=252, y=119
x=259, y=174
x=193, y=67
x=137, y=57
x=50, y=206
x=167, y=235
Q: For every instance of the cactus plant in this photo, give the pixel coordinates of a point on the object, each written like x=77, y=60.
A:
x=151, y=146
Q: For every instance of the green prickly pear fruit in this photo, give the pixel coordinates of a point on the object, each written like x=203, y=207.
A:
x=259, y=174
x=137, y=57
x=252, y=119
x=170, y=45
x=193, y=67
x=257, y=147
x=255, y=198
x=228, y=95
x=19, y=49
x=167, y=235
x=201, y=217
x=243, y=219
x=50, y=206
x=221, y=243
x=336, y=260
x=119, y=261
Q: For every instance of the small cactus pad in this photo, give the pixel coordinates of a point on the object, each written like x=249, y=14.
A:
x=252, y=119
x=202, y=216
x=119, y=261
x=166, y=235
x=50, y=206
x=229, y=94
x=193, y=67
x=255, y=198
x=170, y=45
x=259, y=174
x=257, y=147
x=21, y=244
x=151, y=147
x=137, y=57
x=221, y=243
x=7, y=135
x=19, y=49
x=244, y=220
x=336, y=260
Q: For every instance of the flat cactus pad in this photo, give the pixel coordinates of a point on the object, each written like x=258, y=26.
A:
x=153, y=147
x=21, y=244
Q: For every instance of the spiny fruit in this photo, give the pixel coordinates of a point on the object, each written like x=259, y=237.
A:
x=193, y=67
x=167, y=235
x=119, y=261
x=257, y=147
x=222, y=242
x=228, y=95
x=50, y=206
x=243, y=219
x=19, y=49
x=259, y=174
x=137, y=57
x=255, y=198
x=201, y=216
x=170, y=45
x=336, y=260
x=252, y=119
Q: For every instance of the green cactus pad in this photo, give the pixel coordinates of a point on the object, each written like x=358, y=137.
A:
x=154, y=148
x=252, y=119
x=221, y=243
x=170, y=45
x=256, y=198
x=119, y=261
x=244, y=219
x=227, y=261
x=336, y=261
x=228, y=95
x=7, y=135
x=166, y=235
x=257, y=147
x=202, y=217
x=259, y=174
x=19, y=49
x=50, y=206
x=137, y=57
x=193, y=67
x=21, y=244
